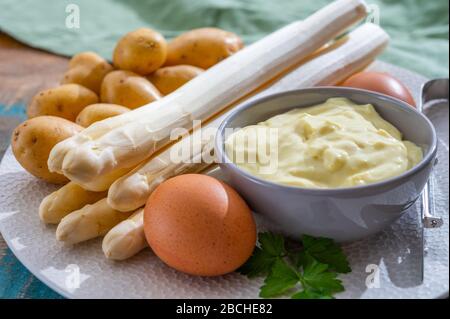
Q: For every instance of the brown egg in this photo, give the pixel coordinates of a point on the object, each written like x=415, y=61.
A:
x=381, y=83
x=199, y=225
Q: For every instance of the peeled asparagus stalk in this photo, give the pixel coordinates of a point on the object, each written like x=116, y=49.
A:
x=65, y=200
x=102, y=183
x=126, y=238
x=349, y=55
x=86, y=157
x=136, y=186
x=334, y=65
x=89, y=222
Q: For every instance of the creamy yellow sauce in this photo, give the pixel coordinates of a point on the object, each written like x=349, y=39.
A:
x=331, y=145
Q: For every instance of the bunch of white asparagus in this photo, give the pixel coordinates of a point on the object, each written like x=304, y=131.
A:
x=115, y=164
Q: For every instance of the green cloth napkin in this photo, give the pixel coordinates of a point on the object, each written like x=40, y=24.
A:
x=419, y=29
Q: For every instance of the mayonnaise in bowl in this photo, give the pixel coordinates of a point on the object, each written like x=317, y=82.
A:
x=331, y=145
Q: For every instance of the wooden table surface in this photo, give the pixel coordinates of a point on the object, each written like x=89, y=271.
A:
x=23, y=72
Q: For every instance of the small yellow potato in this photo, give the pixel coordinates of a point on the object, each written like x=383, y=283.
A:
x=141, y=51
x=128, y=89
x=202, y=47
x=33, y=139
x=87, y=69
x=97, y=112
x=170, y=78
x=64, y=101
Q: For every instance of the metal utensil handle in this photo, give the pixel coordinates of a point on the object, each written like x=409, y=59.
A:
x=429, y=221
x=432, y=90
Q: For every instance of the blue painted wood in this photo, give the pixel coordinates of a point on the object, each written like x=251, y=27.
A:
x=15, y=280
x=16, y=110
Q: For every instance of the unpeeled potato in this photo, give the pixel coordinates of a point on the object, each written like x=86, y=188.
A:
x=202, y=47
x=87, y=69
x=97, y=112
x=128, y=89
x=170, y=78
x=141, y=51
x=33, y=140
x=64, y=101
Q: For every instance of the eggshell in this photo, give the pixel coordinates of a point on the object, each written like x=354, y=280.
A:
x=382, y=83
x=199, y=225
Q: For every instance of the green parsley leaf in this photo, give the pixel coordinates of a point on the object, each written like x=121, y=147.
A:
x=328, y=252
x=258, y=264
x=273, y=244
x=317, y=277
x=281, y=278
x=311, y=266
x=262, y=259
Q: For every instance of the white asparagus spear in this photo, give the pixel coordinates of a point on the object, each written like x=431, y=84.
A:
x=89, y=222
x=351, y=54
x=102, y=183
x=136, y=186
x=204, y=96
x=65, y=200
x=126, y=239
x=92, y=132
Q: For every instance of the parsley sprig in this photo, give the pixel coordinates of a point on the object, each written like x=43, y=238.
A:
x=306, y=273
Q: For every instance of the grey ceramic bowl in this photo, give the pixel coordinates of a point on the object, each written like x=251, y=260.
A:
x=344, y=214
